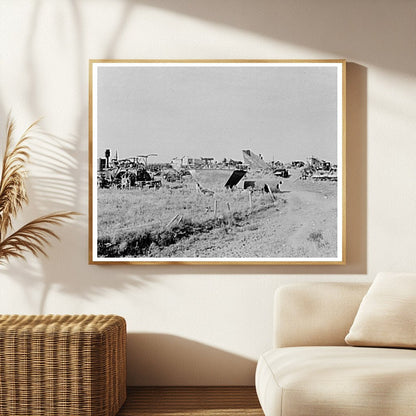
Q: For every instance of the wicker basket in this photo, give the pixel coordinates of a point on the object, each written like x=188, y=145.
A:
x=72, y=365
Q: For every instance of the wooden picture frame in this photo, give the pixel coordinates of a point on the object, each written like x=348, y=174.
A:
x=217, y=162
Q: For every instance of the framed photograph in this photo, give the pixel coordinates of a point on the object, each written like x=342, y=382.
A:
x=217, y=162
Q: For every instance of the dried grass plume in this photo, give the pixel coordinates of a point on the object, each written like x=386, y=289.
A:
x=34, y=236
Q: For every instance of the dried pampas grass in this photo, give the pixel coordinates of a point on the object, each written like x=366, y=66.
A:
x=34, y=236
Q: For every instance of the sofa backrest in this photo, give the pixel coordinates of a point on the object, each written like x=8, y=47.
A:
x=309, y=314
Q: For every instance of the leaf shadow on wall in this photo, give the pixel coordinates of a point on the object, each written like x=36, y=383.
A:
x=59, y=181
x=53, y=187
x=370, y=34
x=163, y=359
x=65, y=184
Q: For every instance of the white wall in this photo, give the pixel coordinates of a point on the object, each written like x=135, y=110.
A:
x=189, y=324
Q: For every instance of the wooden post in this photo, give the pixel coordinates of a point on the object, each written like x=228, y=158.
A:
x=250, y=199
x=270, y=192
x=230, y=219
x=215, y=208
x=172, y=221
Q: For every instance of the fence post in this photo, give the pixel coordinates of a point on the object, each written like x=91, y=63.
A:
x=270, y=192
x=230, y=218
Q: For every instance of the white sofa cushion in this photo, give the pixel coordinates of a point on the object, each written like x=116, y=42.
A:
x=387, y=314
x=341, y=381
x=315, y=314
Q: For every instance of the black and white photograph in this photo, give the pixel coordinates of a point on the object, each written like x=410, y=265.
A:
x=217, y=162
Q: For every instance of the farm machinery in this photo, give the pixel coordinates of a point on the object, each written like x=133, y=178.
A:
x=127, y=177
x=319, y=170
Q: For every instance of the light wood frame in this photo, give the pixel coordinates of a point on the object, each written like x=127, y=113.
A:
x=339, y=259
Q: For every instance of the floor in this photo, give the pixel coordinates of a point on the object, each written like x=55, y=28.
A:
x=195, y=401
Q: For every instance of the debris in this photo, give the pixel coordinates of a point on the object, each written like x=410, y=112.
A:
x=174, y=221
x=282, y=172
x=254, y=160
x=235, y=177
x=204, y=190
x=263, y=185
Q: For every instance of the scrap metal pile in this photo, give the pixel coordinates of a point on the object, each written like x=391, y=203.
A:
x=319, y=170
x=135, y=173
x=127, y=175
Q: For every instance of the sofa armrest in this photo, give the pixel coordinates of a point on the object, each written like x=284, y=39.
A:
x=309, y=314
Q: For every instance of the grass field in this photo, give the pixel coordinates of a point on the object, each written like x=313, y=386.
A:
x=179, y=221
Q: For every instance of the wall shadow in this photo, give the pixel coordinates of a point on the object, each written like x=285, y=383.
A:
x=369, y=34
x=273, y=19
x=356, y=156
x=169, y=360
x=64, y=185
x=53, y=187
x=58, y=180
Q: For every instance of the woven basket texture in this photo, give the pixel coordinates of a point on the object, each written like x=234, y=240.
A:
x=56, y=365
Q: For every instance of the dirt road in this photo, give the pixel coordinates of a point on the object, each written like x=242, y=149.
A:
x=300, y=223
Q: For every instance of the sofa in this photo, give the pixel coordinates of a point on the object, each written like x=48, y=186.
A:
x=312, y=371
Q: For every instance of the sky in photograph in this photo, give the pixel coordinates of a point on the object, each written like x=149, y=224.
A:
x=284, y=113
